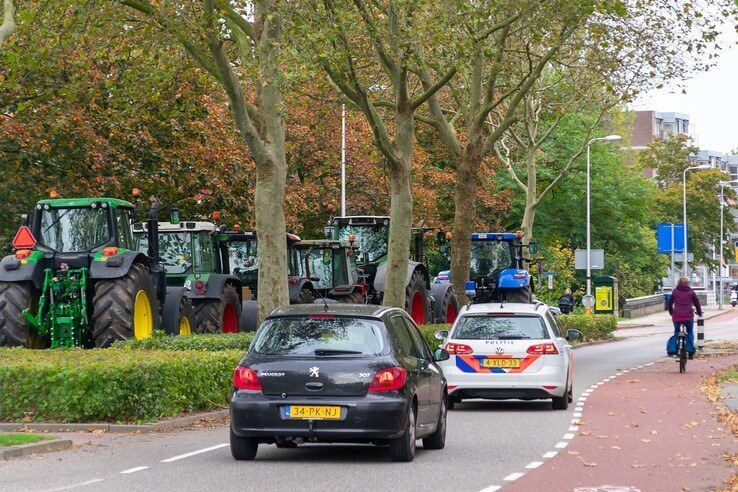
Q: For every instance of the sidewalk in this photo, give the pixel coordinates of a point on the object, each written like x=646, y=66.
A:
x=662, y=317
x=650, y=429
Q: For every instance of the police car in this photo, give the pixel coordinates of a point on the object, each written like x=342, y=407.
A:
x=508, y=351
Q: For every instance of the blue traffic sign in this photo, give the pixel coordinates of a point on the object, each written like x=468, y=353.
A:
x=664, y=232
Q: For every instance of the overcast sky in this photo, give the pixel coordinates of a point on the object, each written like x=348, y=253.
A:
x=711, y=101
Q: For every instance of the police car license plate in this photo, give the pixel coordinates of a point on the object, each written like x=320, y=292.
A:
x=314, y=412
x=503, y=363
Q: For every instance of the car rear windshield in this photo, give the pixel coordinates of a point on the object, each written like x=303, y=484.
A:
x=501, y=327
x=319, y=336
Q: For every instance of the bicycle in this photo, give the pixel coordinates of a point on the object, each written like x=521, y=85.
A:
x=682, y=348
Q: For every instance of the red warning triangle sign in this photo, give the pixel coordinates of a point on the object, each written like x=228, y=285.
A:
x=24, y=239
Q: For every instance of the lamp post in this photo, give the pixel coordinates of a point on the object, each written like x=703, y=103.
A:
x=685, y=263
x=722, y=185
x=609, y=138
x=343, y=159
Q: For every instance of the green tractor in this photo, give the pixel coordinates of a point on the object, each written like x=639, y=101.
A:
x=331, y=267
x=76, y=278
x=425, y=302
x=195, y=257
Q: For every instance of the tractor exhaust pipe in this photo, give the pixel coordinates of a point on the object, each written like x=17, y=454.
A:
x=152, y=229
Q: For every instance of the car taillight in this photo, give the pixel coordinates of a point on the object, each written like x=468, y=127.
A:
x=245, y=378
x=542, y=349
x=390, y=379
x=458, y=349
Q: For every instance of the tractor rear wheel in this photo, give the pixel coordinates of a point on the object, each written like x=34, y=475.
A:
x=306, y=296
x=125, y=307
x=179, y=317
x=14, y=298
x=354, y=298
x=450, y=307
x=522, y=295
x=416, y=298
x=216, y=316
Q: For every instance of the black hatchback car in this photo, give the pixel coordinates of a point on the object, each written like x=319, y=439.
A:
x=339, y=373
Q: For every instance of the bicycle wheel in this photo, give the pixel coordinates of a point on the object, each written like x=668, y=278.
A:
x=682, y=356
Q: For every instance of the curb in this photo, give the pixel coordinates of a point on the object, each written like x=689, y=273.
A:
x=646, y=325
x=594, y=342
x=123, y=428
x=34, y=448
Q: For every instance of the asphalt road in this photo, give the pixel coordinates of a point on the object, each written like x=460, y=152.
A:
x=486, y=443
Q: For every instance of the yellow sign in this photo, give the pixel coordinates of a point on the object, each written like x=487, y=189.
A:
x=314, y=412
x=603, y=298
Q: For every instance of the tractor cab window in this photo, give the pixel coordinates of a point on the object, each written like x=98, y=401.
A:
x=123, y=219
x=175, y=250
x=320, y=262
x=489, y=256
x=204, y=252
x=69, y=230
x=242, y=257
x=340, y=269
x=371, y=239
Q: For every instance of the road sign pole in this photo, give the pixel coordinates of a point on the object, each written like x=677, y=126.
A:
x=672, y=272
x=722, y=240
x=589, y=244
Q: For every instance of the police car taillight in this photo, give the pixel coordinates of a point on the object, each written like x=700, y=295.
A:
x=542, y=349
x=458, y=348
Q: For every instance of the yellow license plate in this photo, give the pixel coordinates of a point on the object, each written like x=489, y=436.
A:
x=314, y=412
x=505, y=363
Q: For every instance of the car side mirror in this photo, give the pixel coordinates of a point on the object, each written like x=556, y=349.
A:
x=441, y=335
x=441, y=355
x=574, y=335
x=533, y=247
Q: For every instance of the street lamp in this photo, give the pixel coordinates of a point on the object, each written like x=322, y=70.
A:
x=609, y=138
x=722, y=185
x=685, y=263
x=343, y=159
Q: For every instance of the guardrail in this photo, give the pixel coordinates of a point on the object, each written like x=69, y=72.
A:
x=641, y=306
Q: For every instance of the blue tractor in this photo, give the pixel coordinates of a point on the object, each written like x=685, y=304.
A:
x=497, y=267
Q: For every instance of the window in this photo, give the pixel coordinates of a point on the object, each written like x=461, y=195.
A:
x=489, y=256
x=554, y=326
x=175, y=250
x=404, y=344
x=242, y=256
x=204, y=252
x=68, y=230
x=307, y=336
x=420, y=344
x=125, y=236
x=501, y=327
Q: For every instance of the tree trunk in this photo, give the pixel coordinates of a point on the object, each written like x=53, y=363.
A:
x=401, y=213
x=270, y=226
x=8, y=26
x=465, y=194
x=531, y=195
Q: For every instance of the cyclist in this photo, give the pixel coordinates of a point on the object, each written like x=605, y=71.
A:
x=680, y=308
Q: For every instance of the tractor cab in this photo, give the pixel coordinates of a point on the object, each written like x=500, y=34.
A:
x=331, y=265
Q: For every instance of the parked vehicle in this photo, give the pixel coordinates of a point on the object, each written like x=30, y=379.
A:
x=195, y=257
x=338, y=373
x=733, y=298
x=331, y=266
x=76, y=278
x=498, y=267
x=510, y=351
x=426, y=302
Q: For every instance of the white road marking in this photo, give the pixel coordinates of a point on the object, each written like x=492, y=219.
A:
x=134, y=470
x=579, y=409
x=561, y=445
x=534, y=464
x=591, y=388
x=568, y=436
x=194, y=453
x=577, y=414
x=76, y=485
x=491, y=488
x=573, y=428
x=513, y=476
x=550, y=454
x=575, y=421
x=582, y=398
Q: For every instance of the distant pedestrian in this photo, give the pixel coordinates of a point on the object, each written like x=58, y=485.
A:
x=680, y=304
x=566, y=303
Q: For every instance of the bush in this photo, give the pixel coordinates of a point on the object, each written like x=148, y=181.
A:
x=212, y=342
x=112, y=385
x=599, y=327
x=428, y=332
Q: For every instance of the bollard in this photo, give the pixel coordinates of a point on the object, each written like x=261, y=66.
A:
x=700, y=333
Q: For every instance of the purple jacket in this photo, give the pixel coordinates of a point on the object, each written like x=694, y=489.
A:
x=681, y=301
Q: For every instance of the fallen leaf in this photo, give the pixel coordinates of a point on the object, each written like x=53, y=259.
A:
x=636, y=465
x=646, y=440
x=653, y=433
x=614, y=447
x=590, y=464
x=604, y=436
x=585, y=433
x=572, y=452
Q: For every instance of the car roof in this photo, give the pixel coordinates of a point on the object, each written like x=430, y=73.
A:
x=363, y=310
x=507, y=307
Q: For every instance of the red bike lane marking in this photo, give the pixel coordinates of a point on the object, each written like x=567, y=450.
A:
x=651, y=429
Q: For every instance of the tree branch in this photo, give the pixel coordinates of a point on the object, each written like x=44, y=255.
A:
x=508, y=164
x=246, y=27
x=8, y=26
x=432, y=89
x=502, y=25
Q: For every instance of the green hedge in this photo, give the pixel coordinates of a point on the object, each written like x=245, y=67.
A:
x=599, y=327
x=211, y=342
x=429, y=331
x=112, y=385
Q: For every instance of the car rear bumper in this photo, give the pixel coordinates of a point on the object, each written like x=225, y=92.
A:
x=515, y=388
x=366, y=418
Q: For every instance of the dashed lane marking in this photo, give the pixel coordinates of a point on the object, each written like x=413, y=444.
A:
x=550, y=454
x=194, y=453
x=491, y=488
x=573, y=428
x=561, y=445
x=77, y=485
x=534, y=464
x=134, y=470
x=513, y=476
x=569, y=436
x=577, y=414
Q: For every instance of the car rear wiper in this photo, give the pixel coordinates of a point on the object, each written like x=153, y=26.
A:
x=336, y=352
x=513, y=337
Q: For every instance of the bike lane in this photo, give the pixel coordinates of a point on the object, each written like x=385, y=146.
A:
x=651, y=429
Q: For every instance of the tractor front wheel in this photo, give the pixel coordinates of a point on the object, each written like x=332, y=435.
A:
x=14, y=298
x=416, y=298
x=125, y=307
x=222, y=315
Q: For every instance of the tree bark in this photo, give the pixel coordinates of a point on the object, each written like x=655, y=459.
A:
x=401, y=211
x=531, y=195
x=8, y=27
